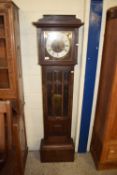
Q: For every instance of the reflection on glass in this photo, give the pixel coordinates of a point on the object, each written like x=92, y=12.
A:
x=2, y=25
x=49, y=93
x=57, y=102
x=3, y=60
x=65, y=104
x=57, y=93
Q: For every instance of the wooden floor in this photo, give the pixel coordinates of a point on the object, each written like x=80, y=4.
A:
x=83, y=165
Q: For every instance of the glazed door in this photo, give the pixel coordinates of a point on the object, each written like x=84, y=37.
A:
x=7, y=85
x=57, y=94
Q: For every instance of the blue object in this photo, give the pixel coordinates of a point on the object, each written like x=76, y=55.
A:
x=91, y=65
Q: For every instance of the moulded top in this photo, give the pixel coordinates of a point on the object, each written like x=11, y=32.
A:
x=6, y=1
x=112, y=13
x=9, y=1
x=58, y=21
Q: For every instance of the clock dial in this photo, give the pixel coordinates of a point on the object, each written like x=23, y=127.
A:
x=58, y=43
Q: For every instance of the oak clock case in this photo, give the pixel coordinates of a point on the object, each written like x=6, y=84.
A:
x=57, y=43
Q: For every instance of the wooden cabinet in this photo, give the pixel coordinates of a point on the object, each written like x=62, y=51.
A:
x=10, y=58
x=11, y=84
x=104, y=140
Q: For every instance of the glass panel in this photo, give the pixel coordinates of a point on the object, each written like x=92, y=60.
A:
x=57, y=92
x=2, y=32
x=57, y=96
x=66, y=95
x=4, y=78
x=3, y=56
x=49, y=93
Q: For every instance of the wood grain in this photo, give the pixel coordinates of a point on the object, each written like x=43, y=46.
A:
x=105, y=126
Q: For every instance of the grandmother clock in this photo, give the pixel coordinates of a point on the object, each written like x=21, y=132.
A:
x=57, y=39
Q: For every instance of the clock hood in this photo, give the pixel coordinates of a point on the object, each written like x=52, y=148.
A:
x=58, y=21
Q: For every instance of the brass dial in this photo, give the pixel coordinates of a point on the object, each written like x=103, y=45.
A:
x=58, y=43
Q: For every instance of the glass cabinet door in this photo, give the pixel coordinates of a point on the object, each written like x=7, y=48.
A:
x=58, y=91
x=2, y=25
x=4, y=72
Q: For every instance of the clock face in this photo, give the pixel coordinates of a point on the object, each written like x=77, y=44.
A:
x=58, y=43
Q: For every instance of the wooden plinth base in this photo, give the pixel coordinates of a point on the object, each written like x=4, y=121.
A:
x=101, y=162
x=57, y=152
x=104, y=165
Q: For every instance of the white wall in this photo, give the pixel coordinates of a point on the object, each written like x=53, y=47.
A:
x=31, y=11
x=106, y=5
x=81, y=73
